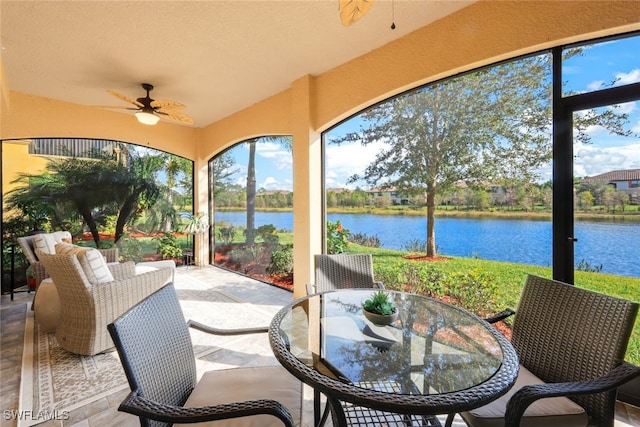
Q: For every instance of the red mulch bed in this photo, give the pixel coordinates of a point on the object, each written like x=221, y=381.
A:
x=256, y=269
x=420, y=257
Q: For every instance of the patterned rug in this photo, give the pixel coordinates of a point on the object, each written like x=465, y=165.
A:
x=55, y=381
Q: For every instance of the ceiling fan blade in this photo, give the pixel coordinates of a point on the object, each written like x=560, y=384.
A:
x=352, y=10
x=115, y=107
x=176, y=116
x=165, y=104
x=125, y=98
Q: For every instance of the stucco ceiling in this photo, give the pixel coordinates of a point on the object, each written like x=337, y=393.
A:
x=216, y=57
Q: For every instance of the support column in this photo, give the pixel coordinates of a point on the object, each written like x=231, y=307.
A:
x=307, y=184
x=201, y=204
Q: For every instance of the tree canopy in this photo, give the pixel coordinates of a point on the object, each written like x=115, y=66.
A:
x=489, y=126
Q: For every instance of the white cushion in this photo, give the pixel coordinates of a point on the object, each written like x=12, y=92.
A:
x=238, y=384
x=91, y=260
x=166, y=263
x=544, y=412
x=45, y=243
x=141, y=269
x=95, y=267
x=61, y=236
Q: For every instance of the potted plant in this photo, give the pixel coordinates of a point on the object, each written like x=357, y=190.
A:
x=379, y=309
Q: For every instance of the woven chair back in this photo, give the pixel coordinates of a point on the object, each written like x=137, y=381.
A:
x=343, y=271
x=71, y=282
x=563, y=334
x=155, y=348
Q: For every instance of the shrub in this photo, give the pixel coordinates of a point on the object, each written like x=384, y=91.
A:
x=226, y=234
x=337, y=238
x=268, y=234
x=474, y=290
x=415, y=245
x=363, y=240
x=282, y=260
x=168, y=246
x=585, y=266
x=130, y=249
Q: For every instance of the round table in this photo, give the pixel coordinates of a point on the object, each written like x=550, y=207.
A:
x=434, y=359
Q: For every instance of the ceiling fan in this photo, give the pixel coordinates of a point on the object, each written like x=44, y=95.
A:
x=150, y=110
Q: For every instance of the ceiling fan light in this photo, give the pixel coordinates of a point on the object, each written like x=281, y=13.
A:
x=147, y=118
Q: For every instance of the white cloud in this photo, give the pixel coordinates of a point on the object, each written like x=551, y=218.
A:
x=595, y=85
x=632, y=76
x=625, y=108
x=592, y=160
x=347, y=159
x=270, y=183
x=279, y=157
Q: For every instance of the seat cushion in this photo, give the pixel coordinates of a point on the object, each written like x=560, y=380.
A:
x=238, y=384
x=559, y=411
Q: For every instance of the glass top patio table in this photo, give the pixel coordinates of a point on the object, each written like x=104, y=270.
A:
x=434, y=359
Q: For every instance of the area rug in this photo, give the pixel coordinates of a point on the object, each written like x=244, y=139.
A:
x=55, y=381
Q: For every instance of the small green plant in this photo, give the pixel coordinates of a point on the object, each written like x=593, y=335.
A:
x=268, y=235
x=130, y=249
x=379, y=303
x=585, y=266
x=337, y=238
x=282, y=260
x=226, y=234
x=168, y=246
x=363, y=239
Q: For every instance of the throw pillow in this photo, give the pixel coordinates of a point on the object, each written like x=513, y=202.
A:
x=91, y=260
x=68, y=249
x=95, y=267
x=45, y=243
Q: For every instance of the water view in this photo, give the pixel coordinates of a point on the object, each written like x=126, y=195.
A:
x=613, y=245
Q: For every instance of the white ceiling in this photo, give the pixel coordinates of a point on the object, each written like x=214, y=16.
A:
x=216, y=57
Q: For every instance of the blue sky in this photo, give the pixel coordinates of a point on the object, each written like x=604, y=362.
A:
x=599, y=65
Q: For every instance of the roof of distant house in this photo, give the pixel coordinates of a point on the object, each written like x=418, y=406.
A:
x=619, y=175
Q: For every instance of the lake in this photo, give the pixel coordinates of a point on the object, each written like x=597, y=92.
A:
x=614, y=245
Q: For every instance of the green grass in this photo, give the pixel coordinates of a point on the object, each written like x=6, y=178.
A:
x=510, y=277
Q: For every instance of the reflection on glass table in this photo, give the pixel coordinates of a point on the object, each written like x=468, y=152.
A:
x=434, y=359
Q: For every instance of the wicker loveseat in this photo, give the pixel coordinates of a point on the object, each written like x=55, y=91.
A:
x=88, y=304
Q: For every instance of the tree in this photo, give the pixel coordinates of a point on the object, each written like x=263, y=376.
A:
x=93, y=188
x=492, y=125
x=286, y=141
x=174, y=166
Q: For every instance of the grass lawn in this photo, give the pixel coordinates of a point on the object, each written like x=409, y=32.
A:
x=510, y=278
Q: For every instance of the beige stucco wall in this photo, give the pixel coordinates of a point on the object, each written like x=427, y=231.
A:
x=481, y=34
x=21, y=162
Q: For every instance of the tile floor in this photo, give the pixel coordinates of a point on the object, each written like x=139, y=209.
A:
x=104, y=411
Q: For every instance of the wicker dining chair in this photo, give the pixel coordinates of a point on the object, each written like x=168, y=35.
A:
x=156, y=351
x=343, y=271
x=571, y=344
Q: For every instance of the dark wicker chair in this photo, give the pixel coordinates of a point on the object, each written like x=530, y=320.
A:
x=343, y=271
x=574, y=341
x=348, y=271
x=155, y=348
